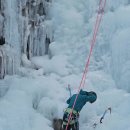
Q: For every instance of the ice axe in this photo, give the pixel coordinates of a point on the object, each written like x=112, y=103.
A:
x=69, y=88
x=108, y=109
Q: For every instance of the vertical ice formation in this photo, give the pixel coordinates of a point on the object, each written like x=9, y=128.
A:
x=25, y=28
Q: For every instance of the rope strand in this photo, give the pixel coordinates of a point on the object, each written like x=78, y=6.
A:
x=96, y=28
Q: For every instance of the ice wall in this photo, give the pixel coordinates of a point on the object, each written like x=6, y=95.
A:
x=26, y=27
x=113, y=44
x=72, y=37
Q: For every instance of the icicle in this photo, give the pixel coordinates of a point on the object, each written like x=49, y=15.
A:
x=2, y=66
x=30, y=35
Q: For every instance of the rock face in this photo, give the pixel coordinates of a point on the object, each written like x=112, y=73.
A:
x=25, y=28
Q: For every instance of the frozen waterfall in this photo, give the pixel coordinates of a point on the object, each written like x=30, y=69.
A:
x=26, y=27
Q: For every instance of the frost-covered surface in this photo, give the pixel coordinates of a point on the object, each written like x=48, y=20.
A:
x=26, y=27
x=31, y=100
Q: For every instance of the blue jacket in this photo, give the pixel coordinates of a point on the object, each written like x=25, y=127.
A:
x=82, y=99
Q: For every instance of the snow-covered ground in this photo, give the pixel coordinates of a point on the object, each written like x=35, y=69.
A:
x=30, y=103
x=31, y=100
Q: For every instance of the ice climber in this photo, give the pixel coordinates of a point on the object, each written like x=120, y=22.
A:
x=82, y=99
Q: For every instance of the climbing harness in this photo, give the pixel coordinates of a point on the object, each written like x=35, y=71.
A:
x=68, y=110
x=108, y=109
x=102, y=5
x=74, y=117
